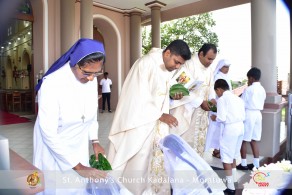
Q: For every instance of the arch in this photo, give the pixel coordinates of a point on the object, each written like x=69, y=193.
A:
x=25, y=59
x=118, y=36
x=46, y=36
x=9, y=71
x=24, y=64
x=111, y=35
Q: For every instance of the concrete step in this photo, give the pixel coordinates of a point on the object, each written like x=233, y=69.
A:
x=242, y=176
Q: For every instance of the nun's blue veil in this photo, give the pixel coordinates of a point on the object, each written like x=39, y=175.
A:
x=82, y=48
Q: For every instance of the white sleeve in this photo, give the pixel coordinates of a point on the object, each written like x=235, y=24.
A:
x=221, y=111
x=196, y=101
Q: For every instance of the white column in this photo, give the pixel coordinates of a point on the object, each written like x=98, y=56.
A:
x=155, y=22
x=86, y=19
x=67, y=24
x=155, y=30
x=126, y=52
x=263, y=27
x=135, y=36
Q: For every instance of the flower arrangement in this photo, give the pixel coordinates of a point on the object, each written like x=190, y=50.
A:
x=269, y=179
x=284, y=165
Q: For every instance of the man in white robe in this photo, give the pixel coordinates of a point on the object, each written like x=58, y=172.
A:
x=67, y=119
x=192, y=114
x=142, y=118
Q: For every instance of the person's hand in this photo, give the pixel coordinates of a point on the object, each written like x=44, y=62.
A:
x=205, y=106
x=213, y=101
x=169, y=119
x=213, y=117
x=97, y=148
x=89, y=172
x=177, y=96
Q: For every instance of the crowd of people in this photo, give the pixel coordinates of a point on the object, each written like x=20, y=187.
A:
x=144, y=115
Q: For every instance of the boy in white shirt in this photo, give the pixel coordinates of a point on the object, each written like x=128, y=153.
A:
x=214, y=129
x=106, y=85
x=231, y=114
x=254, y=98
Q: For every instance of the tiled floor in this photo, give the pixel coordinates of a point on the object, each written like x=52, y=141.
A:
x=20, y=139
x=20, y=136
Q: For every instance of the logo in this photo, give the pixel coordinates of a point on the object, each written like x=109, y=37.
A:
x=260, y=179
x=33, y=179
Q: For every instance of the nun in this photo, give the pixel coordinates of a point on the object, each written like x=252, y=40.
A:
x=67, y=119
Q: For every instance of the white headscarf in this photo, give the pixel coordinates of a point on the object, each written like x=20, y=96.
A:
x=220, y=64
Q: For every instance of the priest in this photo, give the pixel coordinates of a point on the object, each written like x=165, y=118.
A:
x=142, y=118
x=192, y=113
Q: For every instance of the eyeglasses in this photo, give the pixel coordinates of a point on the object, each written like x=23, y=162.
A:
x=94, y=74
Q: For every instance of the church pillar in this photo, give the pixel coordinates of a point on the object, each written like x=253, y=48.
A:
x=86, y=19
x=263, y=27
x=135, y=36
x=155, y=22
x=67, y=24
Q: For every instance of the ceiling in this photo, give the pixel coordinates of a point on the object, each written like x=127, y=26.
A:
x=140, y=4
x=173, y=9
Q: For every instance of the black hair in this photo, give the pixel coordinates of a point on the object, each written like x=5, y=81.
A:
x=206, y=47
x=179, y=47
x=94, y=57
x=254, y=73
x=221, y=83
x=105, y=73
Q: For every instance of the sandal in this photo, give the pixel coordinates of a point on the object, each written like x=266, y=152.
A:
x=216, y=153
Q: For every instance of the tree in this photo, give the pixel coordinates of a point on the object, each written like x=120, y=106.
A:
x=195, y=30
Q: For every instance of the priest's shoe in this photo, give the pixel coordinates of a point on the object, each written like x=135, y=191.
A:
x=243, y=168
x=227, y=191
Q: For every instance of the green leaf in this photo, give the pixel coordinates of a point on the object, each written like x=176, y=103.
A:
x=212, y=106
x=105, y=165
x=101, y=164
